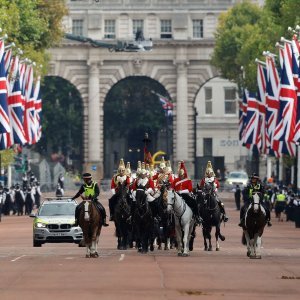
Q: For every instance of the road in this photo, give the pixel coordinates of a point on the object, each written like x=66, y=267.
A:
x=61, y=271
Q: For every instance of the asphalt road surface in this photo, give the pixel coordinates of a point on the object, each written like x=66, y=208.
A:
x=61, y=271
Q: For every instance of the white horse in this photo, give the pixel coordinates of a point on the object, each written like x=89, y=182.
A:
x=184, y=221
x=255, y=221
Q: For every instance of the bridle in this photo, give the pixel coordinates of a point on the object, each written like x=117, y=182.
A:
x=183, y=206
x=86, y=205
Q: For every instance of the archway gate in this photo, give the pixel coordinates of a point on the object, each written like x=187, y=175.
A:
x=181, y=67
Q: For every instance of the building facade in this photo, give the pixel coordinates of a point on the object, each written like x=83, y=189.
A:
x=183, y=36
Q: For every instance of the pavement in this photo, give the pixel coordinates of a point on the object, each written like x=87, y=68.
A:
x=61, y=271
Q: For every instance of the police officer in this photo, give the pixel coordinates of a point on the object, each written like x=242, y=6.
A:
x=254, y=186
x=91, y=190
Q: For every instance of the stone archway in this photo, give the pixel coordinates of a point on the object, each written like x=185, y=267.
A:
x=134, y=106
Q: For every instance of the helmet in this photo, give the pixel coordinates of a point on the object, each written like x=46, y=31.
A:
x=162, y=164
x=182, y=170
x=209, y=169
x=143, y=169
x=128, y=169
x=139, y=168
x=86, y=176
x=254, y=176
x=121, y=165
x=168, y=167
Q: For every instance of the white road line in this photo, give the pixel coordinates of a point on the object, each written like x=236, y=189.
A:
x=122, y=257
x=17, y=258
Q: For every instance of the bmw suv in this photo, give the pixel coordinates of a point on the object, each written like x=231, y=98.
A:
x=54, y=222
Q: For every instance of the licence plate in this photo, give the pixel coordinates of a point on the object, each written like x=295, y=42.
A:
x=57, y=234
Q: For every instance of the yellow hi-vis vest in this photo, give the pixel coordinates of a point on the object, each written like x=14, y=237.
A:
x=254, y=188
x=280, y=198
x=89, y=190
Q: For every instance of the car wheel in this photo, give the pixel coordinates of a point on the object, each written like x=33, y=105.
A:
x=37, y=244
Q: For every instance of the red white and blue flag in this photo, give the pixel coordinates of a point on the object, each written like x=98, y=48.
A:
x=167, y=105
x=286, y=119
x=38, y=109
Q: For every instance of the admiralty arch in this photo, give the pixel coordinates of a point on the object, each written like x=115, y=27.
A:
x=180, y=64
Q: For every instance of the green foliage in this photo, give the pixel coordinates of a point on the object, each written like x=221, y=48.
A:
x=7, y=157
x=34, y=25
x=243, y=33
x=130, y=104
x=61, y=118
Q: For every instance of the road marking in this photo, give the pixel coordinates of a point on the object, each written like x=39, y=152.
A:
x=122, y=257
x=69, y=257
x=17, y=258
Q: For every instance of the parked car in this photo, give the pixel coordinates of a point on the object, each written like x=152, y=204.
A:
x=236, y=177
x=54, y=222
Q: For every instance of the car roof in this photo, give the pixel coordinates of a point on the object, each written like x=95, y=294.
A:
x=53, y=200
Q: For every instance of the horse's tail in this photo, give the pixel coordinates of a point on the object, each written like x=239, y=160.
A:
x=222, y=237
x=244, y=242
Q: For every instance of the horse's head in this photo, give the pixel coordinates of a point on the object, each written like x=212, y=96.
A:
x=170, y=200
x=208, y=188
x=256, y=202
x=140, y=195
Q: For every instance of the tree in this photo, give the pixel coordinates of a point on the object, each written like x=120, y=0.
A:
x=243, y=33
x=33, y=25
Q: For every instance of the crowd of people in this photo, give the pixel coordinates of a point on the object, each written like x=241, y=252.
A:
x=20, y=199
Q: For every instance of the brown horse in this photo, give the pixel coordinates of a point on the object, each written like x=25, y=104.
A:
x=89, y=221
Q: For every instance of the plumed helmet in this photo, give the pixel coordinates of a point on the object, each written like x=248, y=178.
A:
x=168, y=167
x=143, y=169
x=209, y=169
x=162, y=164
x=182, y=170
x=139, y=167
x=152, y=171
x=128, y=169
x=121, y=165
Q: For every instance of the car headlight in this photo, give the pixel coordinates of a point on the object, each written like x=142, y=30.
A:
x=40, y=225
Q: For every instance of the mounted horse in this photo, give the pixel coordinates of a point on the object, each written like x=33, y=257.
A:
x=89, y=221
x=142, y=221
x=122, y=214
x=211, y=215
x=253, y=228
x=166, y=223
x=184, y=221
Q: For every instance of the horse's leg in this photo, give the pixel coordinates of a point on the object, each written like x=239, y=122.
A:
x=204, y=238
x=178, y=238
x=247, y=237
x=217, y=233
x=185, y=240
x=88, y=253
x=258, y=246
x=209, y=238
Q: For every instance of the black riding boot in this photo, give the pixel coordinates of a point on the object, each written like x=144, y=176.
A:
x=268, y=217
x=77, y=211
x=222, y=208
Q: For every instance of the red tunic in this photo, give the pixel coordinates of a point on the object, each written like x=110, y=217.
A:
x=215, y=181
x=184, y=184
x=116, y=179
x=149, y=184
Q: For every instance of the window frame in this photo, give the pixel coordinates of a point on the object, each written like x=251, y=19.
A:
x=232, y=102
x=198, y=29
x=164, y=33
x=107, y=33
x=76, y=29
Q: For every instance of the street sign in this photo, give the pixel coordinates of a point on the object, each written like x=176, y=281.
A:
x=94, y=167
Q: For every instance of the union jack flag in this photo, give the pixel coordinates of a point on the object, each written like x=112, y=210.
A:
x=243, y=116
x=286, y=119
x=252, y=119
x=15, y=105
x=167, y=105
x=261, y=98
x=38, y=109
x=4, y=116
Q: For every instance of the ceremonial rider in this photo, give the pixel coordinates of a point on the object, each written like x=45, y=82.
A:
x=184, y=186
x=116, y=180
x=210, y=177
x=90, y=190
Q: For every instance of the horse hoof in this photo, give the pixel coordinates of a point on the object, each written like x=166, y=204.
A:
x=87, y=256
x=222, y=238
x=217, y=249
x=159, y=248
x=210, y=249
x=94, y=255
x=185, y=255
x=180, y=254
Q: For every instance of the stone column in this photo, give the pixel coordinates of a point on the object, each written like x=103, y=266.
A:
x=94, y=165
x=182, y=112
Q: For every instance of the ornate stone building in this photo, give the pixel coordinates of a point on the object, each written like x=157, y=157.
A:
x=183, y=37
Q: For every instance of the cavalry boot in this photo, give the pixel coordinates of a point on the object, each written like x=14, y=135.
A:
x=104, y=222
x=268, y=217
x=225, y=218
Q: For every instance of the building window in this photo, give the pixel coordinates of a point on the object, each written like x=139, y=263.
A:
x=165, y=29
x=197, y=29
x=77, y=27
x=230, y=100
x=208, y=100
x=110, y=29
x=137, y=25
x=207, y=147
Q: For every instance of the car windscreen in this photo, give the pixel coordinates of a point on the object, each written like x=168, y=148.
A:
x=57, y=209
x=238, y=175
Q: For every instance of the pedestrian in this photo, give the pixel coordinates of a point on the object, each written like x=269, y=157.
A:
x=29, y=201
x=19, y=200
x=24, y=181
x=37, y=194
x=61, y=181
x=1, y=200
x=237, y=197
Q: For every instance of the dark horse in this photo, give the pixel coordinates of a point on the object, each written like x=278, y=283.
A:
x=142, y=221
x=89, y=221
x=166, y=222
x=211, y=215
x=122, y=215
x=255, y=222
